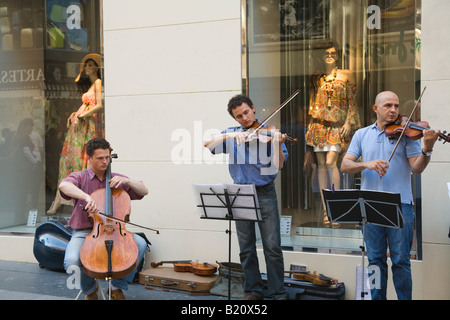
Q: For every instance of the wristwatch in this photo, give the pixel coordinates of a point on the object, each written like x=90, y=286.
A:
x=427, y=154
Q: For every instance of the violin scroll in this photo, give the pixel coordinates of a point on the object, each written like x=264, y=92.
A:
x=444, y=136
x=156, y=264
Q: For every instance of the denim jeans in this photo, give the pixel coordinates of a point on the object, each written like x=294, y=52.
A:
x=271, y=240
x=88, y=284
x=399, y=241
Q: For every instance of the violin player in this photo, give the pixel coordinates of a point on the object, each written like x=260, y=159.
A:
x=78, y=186
x=374, y=148
x=255, y=163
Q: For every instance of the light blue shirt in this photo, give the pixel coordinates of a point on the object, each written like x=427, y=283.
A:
x=370, y=143
x=249, y=163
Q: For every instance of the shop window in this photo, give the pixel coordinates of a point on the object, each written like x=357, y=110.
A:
x=41, y=48
x=340, y=54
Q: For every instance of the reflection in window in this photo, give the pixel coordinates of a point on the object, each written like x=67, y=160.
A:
x=41, y=47
x=340, y=54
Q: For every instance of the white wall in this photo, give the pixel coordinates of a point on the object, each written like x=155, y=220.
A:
x=435, y=110
x=171, y=68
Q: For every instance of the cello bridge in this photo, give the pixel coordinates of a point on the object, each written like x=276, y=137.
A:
x=108, y=227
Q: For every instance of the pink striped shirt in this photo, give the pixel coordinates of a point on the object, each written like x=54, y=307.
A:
x=88, y=182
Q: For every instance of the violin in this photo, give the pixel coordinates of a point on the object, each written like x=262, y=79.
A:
x=266, y=134
x=201, y=269
x=318, y=279
x=404, y=126
x=413, y=130
x=109, y=251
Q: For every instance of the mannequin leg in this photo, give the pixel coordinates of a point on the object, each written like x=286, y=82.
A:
x=322, y=175
x=327, y=171
x=332, y=158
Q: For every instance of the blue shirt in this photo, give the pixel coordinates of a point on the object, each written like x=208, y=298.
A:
x=249, y=163
x=370, y=143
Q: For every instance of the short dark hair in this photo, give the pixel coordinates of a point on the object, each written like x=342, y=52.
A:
x=237, y=101
x=96, y=143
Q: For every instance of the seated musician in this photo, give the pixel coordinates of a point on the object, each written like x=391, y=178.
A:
x=78, y=186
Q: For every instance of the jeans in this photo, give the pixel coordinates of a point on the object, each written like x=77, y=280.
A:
x=88, y=284
x=399, y=241
x=271, y=240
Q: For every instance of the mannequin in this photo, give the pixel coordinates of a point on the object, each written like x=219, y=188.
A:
x=82, y=125
x=334, y=117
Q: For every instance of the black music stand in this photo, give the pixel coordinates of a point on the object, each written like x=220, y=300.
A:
x=226, y=202
x=364, y=206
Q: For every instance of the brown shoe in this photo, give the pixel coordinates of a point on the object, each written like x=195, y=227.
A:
x=117, y=295
x=92, y=296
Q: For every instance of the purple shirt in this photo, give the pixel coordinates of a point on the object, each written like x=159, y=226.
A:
x=88, y=182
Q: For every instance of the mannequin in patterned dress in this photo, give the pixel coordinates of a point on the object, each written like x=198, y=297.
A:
x=333, y=118
x=83, y=125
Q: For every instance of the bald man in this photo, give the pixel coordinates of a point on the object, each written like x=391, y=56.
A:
x=374, y=148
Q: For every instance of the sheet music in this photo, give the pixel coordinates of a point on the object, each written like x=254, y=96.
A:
x=211, y=201
x=247, y=198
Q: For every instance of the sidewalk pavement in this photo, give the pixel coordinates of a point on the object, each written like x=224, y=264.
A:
x=28, y=281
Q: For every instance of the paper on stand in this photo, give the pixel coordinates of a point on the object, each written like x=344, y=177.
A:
x=246, y=198
x=211, y=201
x=210, y=206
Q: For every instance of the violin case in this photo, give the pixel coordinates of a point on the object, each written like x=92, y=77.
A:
x=50, y=243
x=168, y=278
x=303, y=290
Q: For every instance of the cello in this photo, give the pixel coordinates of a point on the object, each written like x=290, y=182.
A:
x=109, y=251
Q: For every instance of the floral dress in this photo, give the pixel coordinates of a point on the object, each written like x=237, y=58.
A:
x=329, y=112
x=73, y=155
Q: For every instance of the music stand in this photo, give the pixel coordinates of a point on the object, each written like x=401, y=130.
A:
x=228, y=202
x=364, y=206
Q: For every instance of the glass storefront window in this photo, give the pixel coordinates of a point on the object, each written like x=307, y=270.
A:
x=41, y=47
x=340, y=54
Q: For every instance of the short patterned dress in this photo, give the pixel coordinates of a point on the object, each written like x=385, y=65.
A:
x=329, y=114
x=73, y=155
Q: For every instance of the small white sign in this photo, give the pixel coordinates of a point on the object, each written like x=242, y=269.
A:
x=32, y=216
x=285, y=225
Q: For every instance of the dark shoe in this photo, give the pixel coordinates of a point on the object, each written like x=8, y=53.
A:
x=252, y=296
x=92, y=296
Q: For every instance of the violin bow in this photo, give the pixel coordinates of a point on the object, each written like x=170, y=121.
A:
x=120, y=220
x=276, y=111
x=406, y=125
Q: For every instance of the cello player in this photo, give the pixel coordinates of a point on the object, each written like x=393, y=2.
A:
x=78, y=186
